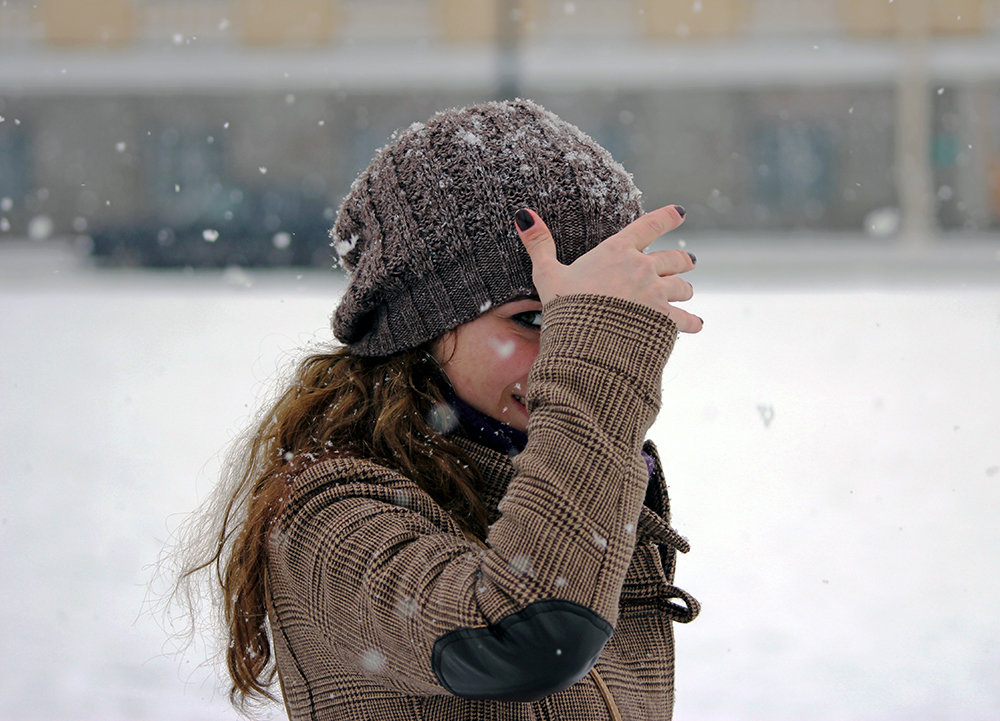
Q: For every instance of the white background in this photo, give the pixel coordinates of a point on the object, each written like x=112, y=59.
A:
x=832, y=452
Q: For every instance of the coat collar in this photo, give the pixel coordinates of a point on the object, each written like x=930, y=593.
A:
x=495, y=469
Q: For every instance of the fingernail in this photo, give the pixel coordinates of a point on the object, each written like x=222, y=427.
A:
x=694, y=258
x=523, y=219
x=680, y=210
x=702, y=320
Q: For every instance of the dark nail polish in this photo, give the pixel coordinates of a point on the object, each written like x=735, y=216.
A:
x=694, y=259
x=523, y=219
x=680, y=210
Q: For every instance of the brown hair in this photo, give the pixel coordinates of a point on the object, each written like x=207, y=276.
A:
x=385, y=409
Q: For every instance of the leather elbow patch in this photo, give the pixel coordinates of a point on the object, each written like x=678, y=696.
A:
x=544, y=648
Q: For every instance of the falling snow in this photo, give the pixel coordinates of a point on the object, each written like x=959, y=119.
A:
x=407, y=608
x=503, y=348
x=766, y=414
x=373, y=661
x=40, y=227
x=521, y=564
x=237, y=277
x=442, y=418
x=883, y=222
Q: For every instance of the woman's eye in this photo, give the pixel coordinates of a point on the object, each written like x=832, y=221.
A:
x=529, y=318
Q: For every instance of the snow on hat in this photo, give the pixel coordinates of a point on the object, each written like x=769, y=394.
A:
x=427, y=230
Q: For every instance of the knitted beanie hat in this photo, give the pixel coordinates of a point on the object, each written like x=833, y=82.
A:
x=427, y=230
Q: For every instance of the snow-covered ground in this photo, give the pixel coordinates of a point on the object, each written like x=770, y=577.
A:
x=832, y=451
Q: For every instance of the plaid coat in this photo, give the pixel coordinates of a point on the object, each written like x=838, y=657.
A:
x=381, y=608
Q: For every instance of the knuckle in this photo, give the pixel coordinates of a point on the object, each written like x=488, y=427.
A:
x=653, y=224
x=622, y=239
x=678, y=316
x=677, y=288
x=533, y=234
x=536, y=238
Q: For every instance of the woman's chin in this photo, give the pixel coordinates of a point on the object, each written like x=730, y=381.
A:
x=516, y=415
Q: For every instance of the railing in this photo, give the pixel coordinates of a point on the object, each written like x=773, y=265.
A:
x=332, y=22
x=173, y=22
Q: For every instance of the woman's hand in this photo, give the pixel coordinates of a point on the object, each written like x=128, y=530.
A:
x=617, y=266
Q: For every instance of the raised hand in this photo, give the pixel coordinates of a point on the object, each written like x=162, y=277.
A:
x=617, y=266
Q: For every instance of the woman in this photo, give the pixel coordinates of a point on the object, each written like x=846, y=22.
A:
x=454, y=515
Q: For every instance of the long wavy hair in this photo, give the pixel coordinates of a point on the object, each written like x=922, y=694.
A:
x=387, y=409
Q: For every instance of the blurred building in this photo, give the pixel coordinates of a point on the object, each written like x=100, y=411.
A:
x=766, y=115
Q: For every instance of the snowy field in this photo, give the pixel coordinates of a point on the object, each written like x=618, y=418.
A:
x=832, y=448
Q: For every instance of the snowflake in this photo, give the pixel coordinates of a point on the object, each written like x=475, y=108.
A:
x=521, y=564
x=373, y=660
x=442, y=418
x=504, y=349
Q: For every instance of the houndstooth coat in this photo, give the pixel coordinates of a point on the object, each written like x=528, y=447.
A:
x=381, y=608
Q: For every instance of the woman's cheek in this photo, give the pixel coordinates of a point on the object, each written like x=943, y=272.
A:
x=529, y=352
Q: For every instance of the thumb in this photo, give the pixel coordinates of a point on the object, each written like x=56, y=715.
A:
x=537, y=239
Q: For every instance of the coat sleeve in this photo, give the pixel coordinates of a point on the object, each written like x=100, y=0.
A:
x=364, y=567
